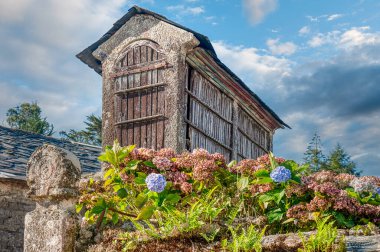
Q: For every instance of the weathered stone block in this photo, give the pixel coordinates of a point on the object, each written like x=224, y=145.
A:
x=53, y=177
x=49, y=228
x=53, y=173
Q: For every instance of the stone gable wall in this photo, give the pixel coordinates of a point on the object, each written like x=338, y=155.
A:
x=13, y=207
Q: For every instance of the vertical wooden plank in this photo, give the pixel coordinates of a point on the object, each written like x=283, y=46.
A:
x=130, y=108
x=148, y=109
x=143, y=57
x=161, y=110
x=137, y=110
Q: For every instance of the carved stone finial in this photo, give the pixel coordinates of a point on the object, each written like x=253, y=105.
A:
x=53, y=173
x=53, y=176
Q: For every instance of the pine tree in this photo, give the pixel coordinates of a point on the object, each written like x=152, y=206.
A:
x=314, y=155
x=27, y=117
x=91, y=135
x=339, y=161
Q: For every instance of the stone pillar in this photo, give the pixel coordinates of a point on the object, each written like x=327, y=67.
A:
x=53, y=176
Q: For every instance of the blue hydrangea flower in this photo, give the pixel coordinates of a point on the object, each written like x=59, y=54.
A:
x=280, y=174
x=378, y=190
x=155, y=182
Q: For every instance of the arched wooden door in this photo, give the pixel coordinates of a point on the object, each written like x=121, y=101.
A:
x=140, y=95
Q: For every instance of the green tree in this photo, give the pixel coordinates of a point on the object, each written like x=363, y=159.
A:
x=27, y=117
x=340, y=161
x=314, y=155
x=91, y=135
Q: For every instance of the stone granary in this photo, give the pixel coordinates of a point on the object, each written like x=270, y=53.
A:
x=164, y=86
x=16, y=147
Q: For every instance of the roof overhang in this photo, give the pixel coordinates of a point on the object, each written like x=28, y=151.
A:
x=204, y=53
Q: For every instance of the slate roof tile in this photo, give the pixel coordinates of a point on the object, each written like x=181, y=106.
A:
x=16, y=146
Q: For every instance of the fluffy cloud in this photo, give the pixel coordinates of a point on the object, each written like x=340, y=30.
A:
x=38, y=57
x=253, y=65
x=354, y=37
x=258, y=9
x=277, y=48
x=336, y=97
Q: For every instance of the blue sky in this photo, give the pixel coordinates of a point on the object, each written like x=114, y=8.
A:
x=316, y=63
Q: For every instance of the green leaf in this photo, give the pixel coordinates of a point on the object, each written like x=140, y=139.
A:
x=342, y=220
x=264, y=180
x=122, y=193
x=272, y=160
x=116, y=187
x=78, y=207
x=132, y=165
x=108, y=182
x=97, y=209
x=262, y=173
x=266, y=198
x=279, y=196
x=142, y=174
x=115, y=218
x=172, y=198
x=291, y=165
x=288, y=220
x=103, y=157
x=108, y=173
x=149, y=164
x=123, y=154
x=242, y=183
x=146, y=213
x=275, y=215
x=130, y=148
x=232, y=163
x=139, y=180
x=140, y=200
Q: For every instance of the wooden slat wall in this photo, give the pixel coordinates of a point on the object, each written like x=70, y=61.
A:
x=209, y=116
x=253, y=139
x=209, y=122
x=141, y=103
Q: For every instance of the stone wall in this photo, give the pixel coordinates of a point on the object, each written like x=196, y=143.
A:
x=13, y=207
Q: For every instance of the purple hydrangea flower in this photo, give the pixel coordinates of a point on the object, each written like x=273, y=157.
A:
x=280, y=174
x=155, y=182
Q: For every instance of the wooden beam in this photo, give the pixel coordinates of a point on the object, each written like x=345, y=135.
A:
x=136, y=89
x=142, y=119
x=142, y=68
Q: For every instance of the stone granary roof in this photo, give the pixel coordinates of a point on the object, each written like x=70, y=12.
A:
x=88, y=58
x=16, y=146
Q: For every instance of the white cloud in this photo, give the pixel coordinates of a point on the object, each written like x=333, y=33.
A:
x=277, y=48
x=254, y=66
x=357, y=36
x=182, y=10
x=37, y=60
x=323, y=38
x=354, y=37
x=258, y=9
x=334, y=16
x=304, y=30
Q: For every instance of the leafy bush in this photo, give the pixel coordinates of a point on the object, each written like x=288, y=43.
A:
x=165, y=195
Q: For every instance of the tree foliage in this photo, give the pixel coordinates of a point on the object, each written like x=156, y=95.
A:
x=314, y=155
x=91, y=135
x=339, y=161
x=27, y=117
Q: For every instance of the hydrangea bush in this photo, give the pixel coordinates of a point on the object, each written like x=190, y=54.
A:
x=143, y=184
